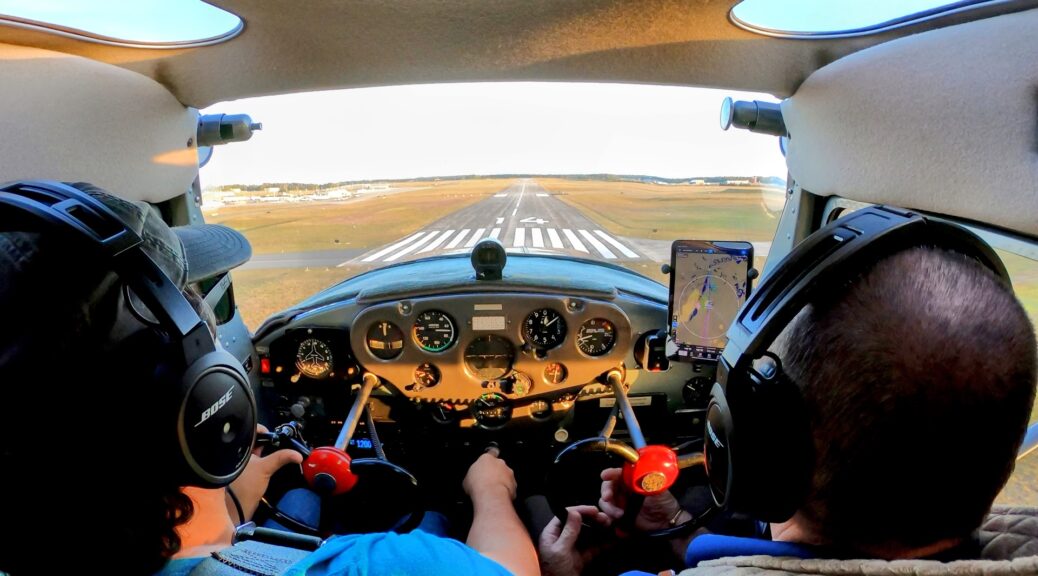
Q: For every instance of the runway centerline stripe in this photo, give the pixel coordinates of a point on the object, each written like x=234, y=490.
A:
x=495, y=233
x=457, y=239
x=520, y=238
x=606, y=252
x=574, y=240
x=414, y=246
x=556, y=242
x=390, y=248
x=539, y=195
x=616, y=244
x=436, y=242
x=521, y=192
x=538, y=240
x=476, y=236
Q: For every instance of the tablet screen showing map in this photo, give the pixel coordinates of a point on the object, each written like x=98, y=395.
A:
x=707, y=286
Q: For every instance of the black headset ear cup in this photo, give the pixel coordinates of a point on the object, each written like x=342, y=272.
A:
x=216, y=420
x=771, y=457
x=717, y=445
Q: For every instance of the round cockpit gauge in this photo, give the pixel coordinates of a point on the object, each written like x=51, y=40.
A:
x=385, y=340
x=521, y=384
x=596, y=337
x=544, y=328
x=314, y=358
x=555, y=373
x=426, y=376
x=443, y=413
x=434, y=331
x=489, y=357
x=492, y=410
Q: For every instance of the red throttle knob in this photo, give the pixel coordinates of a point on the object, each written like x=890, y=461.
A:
x=655, y=471
x=327, y=471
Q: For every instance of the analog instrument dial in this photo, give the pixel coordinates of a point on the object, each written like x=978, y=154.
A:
x=434, y=331
x=426, y=376
x=385, y=340
x=596, y=337
x=544, y=328
x=555, y=373
x=314, y=359
x=492, y=410
x=489, y=357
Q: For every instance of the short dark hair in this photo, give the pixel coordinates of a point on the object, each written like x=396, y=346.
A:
x=77, y=404
x=919, y=379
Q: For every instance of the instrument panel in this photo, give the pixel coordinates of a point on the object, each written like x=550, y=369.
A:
x=486, y=348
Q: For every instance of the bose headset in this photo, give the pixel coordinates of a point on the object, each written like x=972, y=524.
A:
x=212, y=410
x=759, y=451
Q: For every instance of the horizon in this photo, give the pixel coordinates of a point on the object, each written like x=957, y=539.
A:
x=620, y=177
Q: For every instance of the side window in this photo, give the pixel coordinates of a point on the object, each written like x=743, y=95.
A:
x=219, y=293
x=1022, y=489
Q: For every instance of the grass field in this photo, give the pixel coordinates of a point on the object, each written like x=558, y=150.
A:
x=664, y=212
x=362, y=222
x=260, y=293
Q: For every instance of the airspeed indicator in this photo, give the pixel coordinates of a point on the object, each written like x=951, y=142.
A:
x=434, y=331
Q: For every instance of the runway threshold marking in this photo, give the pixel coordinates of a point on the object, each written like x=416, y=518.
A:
x=459, y=238
x=605, y=252
x=623, y=249
x=556, y=242
x=476, y=236
x=389, y=249
x=574, y=240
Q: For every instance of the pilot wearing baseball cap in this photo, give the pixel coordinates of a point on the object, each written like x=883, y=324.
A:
x=85, y=473
x=92, y=467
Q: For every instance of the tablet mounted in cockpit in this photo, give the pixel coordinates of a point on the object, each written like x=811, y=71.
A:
x=708, y=284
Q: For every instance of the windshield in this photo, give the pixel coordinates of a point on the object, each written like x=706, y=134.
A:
x=342, y=182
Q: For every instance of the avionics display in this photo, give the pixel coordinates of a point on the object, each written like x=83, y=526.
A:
x=708, y=284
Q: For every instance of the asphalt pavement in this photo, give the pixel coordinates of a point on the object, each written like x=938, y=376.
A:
x=525, y=217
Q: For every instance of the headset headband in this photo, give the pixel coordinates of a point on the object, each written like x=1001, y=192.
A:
x=836, y=254
x=86, y=220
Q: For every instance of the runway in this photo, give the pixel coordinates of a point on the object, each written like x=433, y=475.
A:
x=525, y=217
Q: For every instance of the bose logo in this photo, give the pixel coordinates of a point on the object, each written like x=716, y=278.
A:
x=212, y=410
x=713, y=437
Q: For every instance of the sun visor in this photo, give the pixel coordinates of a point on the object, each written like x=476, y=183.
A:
x=68, y=118
x=944, y=121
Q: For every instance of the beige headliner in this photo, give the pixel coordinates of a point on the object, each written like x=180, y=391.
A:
x=944, y=121
x=293, y=45
x=67, y=118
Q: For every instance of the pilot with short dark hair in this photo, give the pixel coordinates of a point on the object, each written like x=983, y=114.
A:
x=918, y=380
x=86, y=481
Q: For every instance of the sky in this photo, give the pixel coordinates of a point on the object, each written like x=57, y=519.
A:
x=138, y=20
x=490, y=128
x=828, y=15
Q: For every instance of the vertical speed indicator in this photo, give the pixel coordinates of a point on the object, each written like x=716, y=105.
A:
x=434, y=331
x=596, y=337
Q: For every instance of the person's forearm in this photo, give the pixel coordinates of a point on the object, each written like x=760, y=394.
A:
x=498, y=534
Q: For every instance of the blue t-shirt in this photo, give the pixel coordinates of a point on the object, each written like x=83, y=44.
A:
x=714, y=546
x=384, y=554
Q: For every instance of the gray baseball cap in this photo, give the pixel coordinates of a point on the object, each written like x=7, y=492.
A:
x=187, y=254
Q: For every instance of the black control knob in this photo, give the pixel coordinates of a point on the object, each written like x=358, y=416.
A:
x=696, y=391
x=298, y=410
